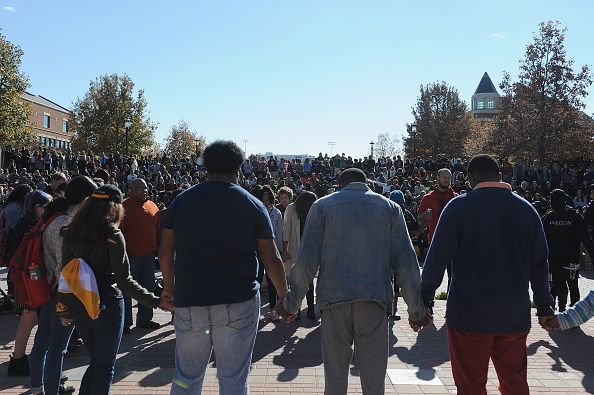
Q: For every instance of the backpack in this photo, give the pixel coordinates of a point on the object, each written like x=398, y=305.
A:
x=27, y=268
x=78, y=293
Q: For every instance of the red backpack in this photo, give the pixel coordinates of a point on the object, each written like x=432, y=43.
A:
x=27, y=268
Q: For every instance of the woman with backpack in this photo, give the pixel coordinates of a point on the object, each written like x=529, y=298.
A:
x=93, y=235
x=51, y=339
x=32, y=212
x=10, y=214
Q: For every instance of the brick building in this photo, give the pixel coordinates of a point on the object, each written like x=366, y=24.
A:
x=50, y=122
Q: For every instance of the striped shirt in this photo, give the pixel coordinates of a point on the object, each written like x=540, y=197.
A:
x=581, y=312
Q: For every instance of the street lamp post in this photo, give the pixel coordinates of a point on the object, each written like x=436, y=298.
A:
x=196, y=141
x=413, y=131
x=245, y=141
x=331, y=144
x=127, y=126
x=371, y=156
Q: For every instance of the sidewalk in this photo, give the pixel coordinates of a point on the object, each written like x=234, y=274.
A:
x=287, y=359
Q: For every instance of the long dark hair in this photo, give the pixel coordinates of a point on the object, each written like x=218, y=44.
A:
x=302, y=205
x=19, y=194
x=93, y=224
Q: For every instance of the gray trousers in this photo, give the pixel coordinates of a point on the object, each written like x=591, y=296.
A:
x=365, y=324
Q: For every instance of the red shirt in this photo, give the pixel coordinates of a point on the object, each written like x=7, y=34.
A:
x=140, y=227
x=436, y=201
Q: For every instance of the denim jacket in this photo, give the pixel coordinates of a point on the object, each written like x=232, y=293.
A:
x=356, y=239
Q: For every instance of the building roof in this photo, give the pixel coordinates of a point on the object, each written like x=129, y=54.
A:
x=486, y=85
x=43, y=101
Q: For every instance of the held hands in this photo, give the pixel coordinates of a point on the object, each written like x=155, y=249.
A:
x=166, y=302
x=283, y=313
x=418, y=325
x=549, y=323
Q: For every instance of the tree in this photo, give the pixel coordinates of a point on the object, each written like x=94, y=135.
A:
x=386, y=145
x=443, y=123
x=182, y=141
x=14, y=112
x=99, y=117
x=154, y=150
x=541, y=115
x=479, y=139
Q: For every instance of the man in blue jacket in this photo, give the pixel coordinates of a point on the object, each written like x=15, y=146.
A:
x=356, y=239
x=495, y=242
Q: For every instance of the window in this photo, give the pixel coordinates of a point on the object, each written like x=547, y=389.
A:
x=490, y=104
x=45, y=141
x=40, y=140
x=46, y=121
x=480, y=104
x=65, y=126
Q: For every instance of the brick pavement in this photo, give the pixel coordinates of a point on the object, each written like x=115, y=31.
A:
x=287, y=359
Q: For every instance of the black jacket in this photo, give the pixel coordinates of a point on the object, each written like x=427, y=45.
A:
x=565, y=231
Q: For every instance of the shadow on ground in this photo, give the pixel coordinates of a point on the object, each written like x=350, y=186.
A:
x=569, y=348
x=429, y=351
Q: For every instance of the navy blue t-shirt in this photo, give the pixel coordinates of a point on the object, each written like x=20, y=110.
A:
x=216, y=226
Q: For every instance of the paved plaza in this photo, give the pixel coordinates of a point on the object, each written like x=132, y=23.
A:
x=287, y=359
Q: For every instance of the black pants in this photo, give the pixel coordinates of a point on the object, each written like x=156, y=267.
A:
x=562, y=281
x=309, y=296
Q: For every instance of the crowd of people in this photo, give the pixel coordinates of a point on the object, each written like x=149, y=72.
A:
x=128, y=215
x=167, y=176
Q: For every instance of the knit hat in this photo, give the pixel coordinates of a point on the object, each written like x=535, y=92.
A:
x=108, y=192
x=397, y=196
x=103, y=174
x=78, y=189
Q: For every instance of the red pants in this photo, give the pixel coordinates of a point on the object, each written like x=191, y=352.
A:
x=470, y=354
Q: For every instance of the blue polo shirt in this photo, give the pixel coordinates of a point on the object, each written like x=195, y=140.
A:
x=497, y=246
x=216, y=226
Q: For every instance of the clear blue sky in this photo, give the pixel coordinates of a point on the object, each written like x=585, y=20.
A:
x=289, y=76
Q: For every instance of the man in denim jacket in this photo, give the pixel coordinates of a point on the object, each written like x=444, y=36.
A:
x=356, y=239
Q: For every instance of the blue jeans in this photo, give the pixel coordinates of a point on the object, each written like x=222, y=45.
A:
x=102, y=338
x=142, y=269
x=49, y=347
x=228, y=329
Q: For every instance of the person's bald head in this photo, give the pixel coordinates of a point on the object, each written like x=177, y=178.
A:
x=351, y=175
x=139, y=190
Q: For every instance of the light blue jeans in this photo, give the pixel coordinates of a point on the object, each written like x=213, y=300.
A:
x=229, y=329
